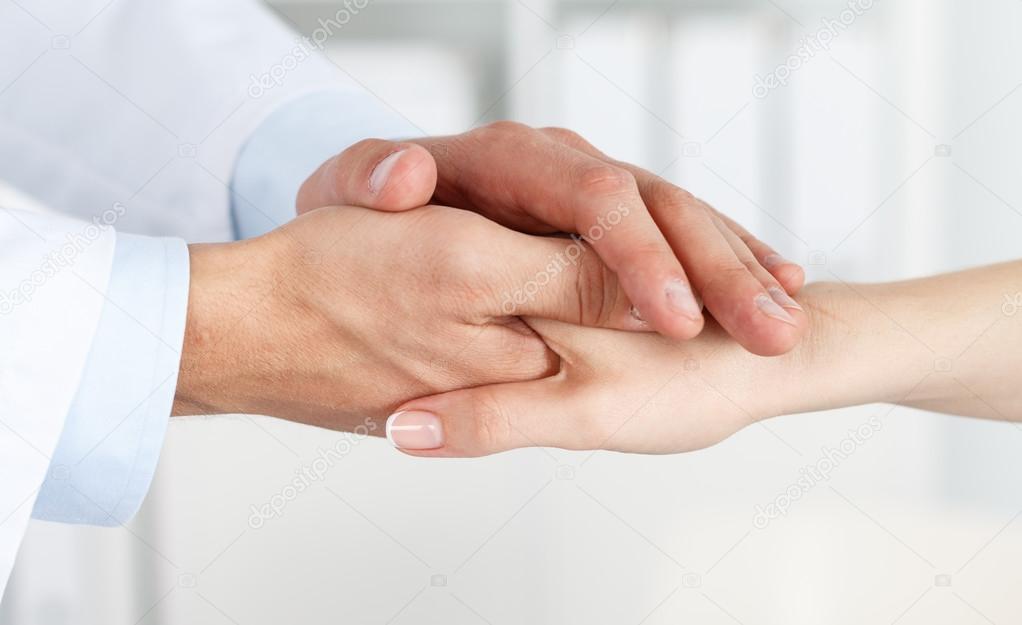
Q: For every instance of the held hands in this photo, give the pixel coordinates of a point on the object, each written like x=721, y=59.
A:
x=347, y=313
x=669, y=249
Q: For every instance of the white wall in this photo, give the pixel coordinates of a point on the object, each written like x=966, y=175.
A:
x=840, y=169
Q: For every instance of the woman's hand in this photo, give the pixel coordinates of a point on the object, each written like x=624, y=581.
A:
x=948, y=344
x=669, y=249
x=614, y=390
x=347, y=312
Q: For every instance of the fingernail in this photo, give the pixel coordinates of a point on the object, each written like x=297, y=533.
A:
x=681, y=300
x=773, y=260
x=783, y=298
x=415, y=430
x=770, y=308
x=378, y=179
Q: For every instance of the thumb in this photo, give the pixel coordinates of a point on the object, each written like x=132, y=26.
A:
x=377, y=174
x=491, y=419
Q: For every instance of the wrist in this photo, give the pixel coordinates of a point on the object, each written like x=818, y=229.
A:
x=225, y=330
x=855, y=353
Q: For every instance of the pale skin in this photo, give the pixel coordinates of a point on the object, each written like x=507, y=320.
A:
x=946, y=344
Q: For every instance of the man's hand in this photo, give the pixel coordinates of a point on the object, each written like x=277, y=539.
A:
x=346, y=312
x=669, y=249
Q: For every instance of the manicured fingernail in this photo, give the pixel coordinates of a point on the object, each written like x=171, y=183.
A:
x=770, y=308
x=782, y=298
x=378, y=179
x=415, y=430
x=774, y=260
x=681, y=300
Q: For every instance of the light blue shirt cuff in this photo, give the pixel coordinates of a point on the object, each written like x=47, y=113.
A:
x=107, y=453
x=292, y=143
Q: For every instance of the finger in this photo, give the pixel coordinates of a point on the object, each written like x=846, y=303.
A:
x=571, y=409
x=735, y=297
x=774, y=338
x=542, y=184
x=487, y=420
x=561, y=279
x=377, y=174
x=791, y=275
x=738, y=300
x=611, y=215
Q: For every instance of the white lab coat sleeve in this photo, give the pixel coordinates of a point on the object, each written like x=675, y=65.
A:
x=53, y=279
x=148, y=102
x=107, y=454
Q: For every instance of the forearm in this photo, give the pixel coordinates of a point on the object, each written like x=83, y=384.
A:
x=947, y=343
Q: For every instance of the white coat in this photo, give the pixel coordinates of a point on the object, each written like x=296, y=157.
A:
x=131, y=113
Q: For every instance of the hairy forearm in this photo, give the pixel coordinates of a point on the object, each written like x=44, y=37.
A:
x=949, y=343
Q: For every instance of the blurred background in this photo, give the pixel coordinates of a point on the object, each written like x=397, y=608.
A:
x=874, y=143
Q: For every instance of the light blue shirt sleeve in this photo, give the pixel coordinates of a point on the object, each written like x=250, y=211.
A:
x=107, y=453
x=293, y=142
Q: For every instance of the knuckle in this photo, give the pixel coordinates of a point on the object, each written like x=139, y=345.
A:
x=564, y=135
x=672, y=197
x=459, y=254
x=759, y=273
x=366, y=147
x=604, y=179
x=594, y=290
x=460, y=260
x=505, y=128
x=492, y=422
x=751, y=265
x=724, y=278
